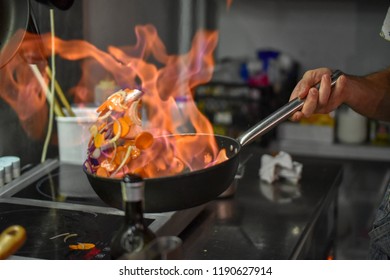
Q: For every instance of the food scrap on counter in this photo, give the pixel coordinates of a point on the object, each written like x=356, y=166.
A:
x=280, y=166
x=82, y=246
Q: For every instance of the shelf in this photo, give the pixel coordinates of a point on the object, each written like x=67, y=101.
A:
x=342, y=151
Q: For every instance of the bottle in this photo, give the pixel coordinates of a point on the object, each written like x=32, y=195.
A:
x=134, y=234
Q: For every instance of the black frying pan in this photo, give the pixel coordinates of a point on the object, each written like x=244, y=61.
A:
x=182, y=191
x=198, y=187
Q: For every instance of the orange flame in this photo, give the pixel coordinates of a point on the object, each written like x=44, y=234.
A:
x=229, y=4
x=20, y=89
x=167, y=81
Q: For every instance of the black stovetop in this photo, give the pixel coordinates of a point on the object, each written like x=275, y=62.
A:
x=58, y=208
x=51, y=231
x=65, y=183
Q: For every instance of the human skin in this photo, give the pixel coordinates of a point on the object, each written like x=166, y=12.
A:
x=369, y=95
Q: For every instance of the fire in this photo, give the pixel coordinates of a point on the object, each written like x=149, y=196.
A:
x=166, y=79
x=229, y=4
x=23, y=93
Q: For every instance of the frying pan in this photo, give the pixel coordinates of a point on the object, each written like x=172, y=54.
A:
x=191, y=189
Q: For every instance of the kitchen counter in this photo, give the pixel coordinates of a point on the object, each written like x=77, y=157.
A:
x=367, y=152
x=259, y=221
x=262, y=221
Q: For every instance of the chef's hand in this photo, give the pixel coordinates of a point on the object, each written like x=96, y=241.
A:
x=321, y=101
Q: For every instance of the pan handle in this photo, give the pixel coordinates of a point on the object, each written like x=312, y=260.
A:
x=278, y=116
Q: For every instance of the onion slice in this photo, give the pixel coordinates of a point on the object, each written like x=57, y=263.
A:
x=126, y=157
x=133, y=113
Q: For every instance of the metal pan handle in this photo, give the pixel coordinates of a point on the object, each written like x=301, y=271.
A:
x=278, y=116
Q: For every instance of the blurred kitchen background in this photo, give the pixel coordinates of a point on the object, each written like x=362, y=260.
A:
x=264, y=47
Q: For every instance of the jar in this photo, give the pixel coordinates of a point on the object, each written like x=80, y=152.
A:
x=351, y=126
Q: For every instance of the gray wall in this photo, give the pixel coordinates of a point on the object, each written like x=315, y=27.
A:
x=339, y=34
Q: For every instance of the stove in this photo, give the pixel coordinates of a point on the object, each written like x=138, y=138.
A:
x=56, y=205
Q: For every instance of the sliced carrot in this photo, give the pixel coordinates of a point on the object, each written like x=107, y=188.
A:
x=98, y=140
x=121, y=125
x=103, y=112
x=102, y=107
x=116, y=127
x=121, y=155
x=128, y=120
x=102, y=172
x=125, y=126
x=144, y=140
x=82, y=246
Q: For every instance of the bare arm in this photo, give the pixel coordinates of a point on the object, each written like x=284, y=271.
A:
x=368, y=95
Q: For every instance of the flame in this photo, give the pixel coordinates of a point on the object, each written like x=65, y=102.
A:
x=229, y=4
x=166, y=79
x=23, y=93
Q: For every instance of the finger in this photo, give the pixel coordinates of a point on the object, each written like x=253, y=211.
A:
x=297, y=116
x=324, y=91
x=311, y=103
x=309, y=80
x=337, y=95
x=300, y=90
x=339, y=86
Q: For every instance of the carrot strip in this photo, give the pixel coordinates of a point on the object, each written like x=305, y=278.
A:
x=82, y=246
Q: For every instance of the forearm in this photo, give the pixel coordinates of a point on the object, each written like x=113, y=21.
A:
x=369, y=95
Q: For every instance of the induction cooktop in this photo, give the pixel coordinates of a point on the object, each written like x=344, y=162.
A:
x=58, y=233
x=59, y=210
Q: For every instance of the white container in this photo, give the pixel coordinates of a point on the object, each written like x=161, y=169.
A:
x=73, y=135
x=351, y=126
x=6, y=171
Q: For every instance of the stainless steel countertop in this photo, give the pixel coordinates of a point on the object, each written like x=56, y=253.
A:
x=264, y=221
